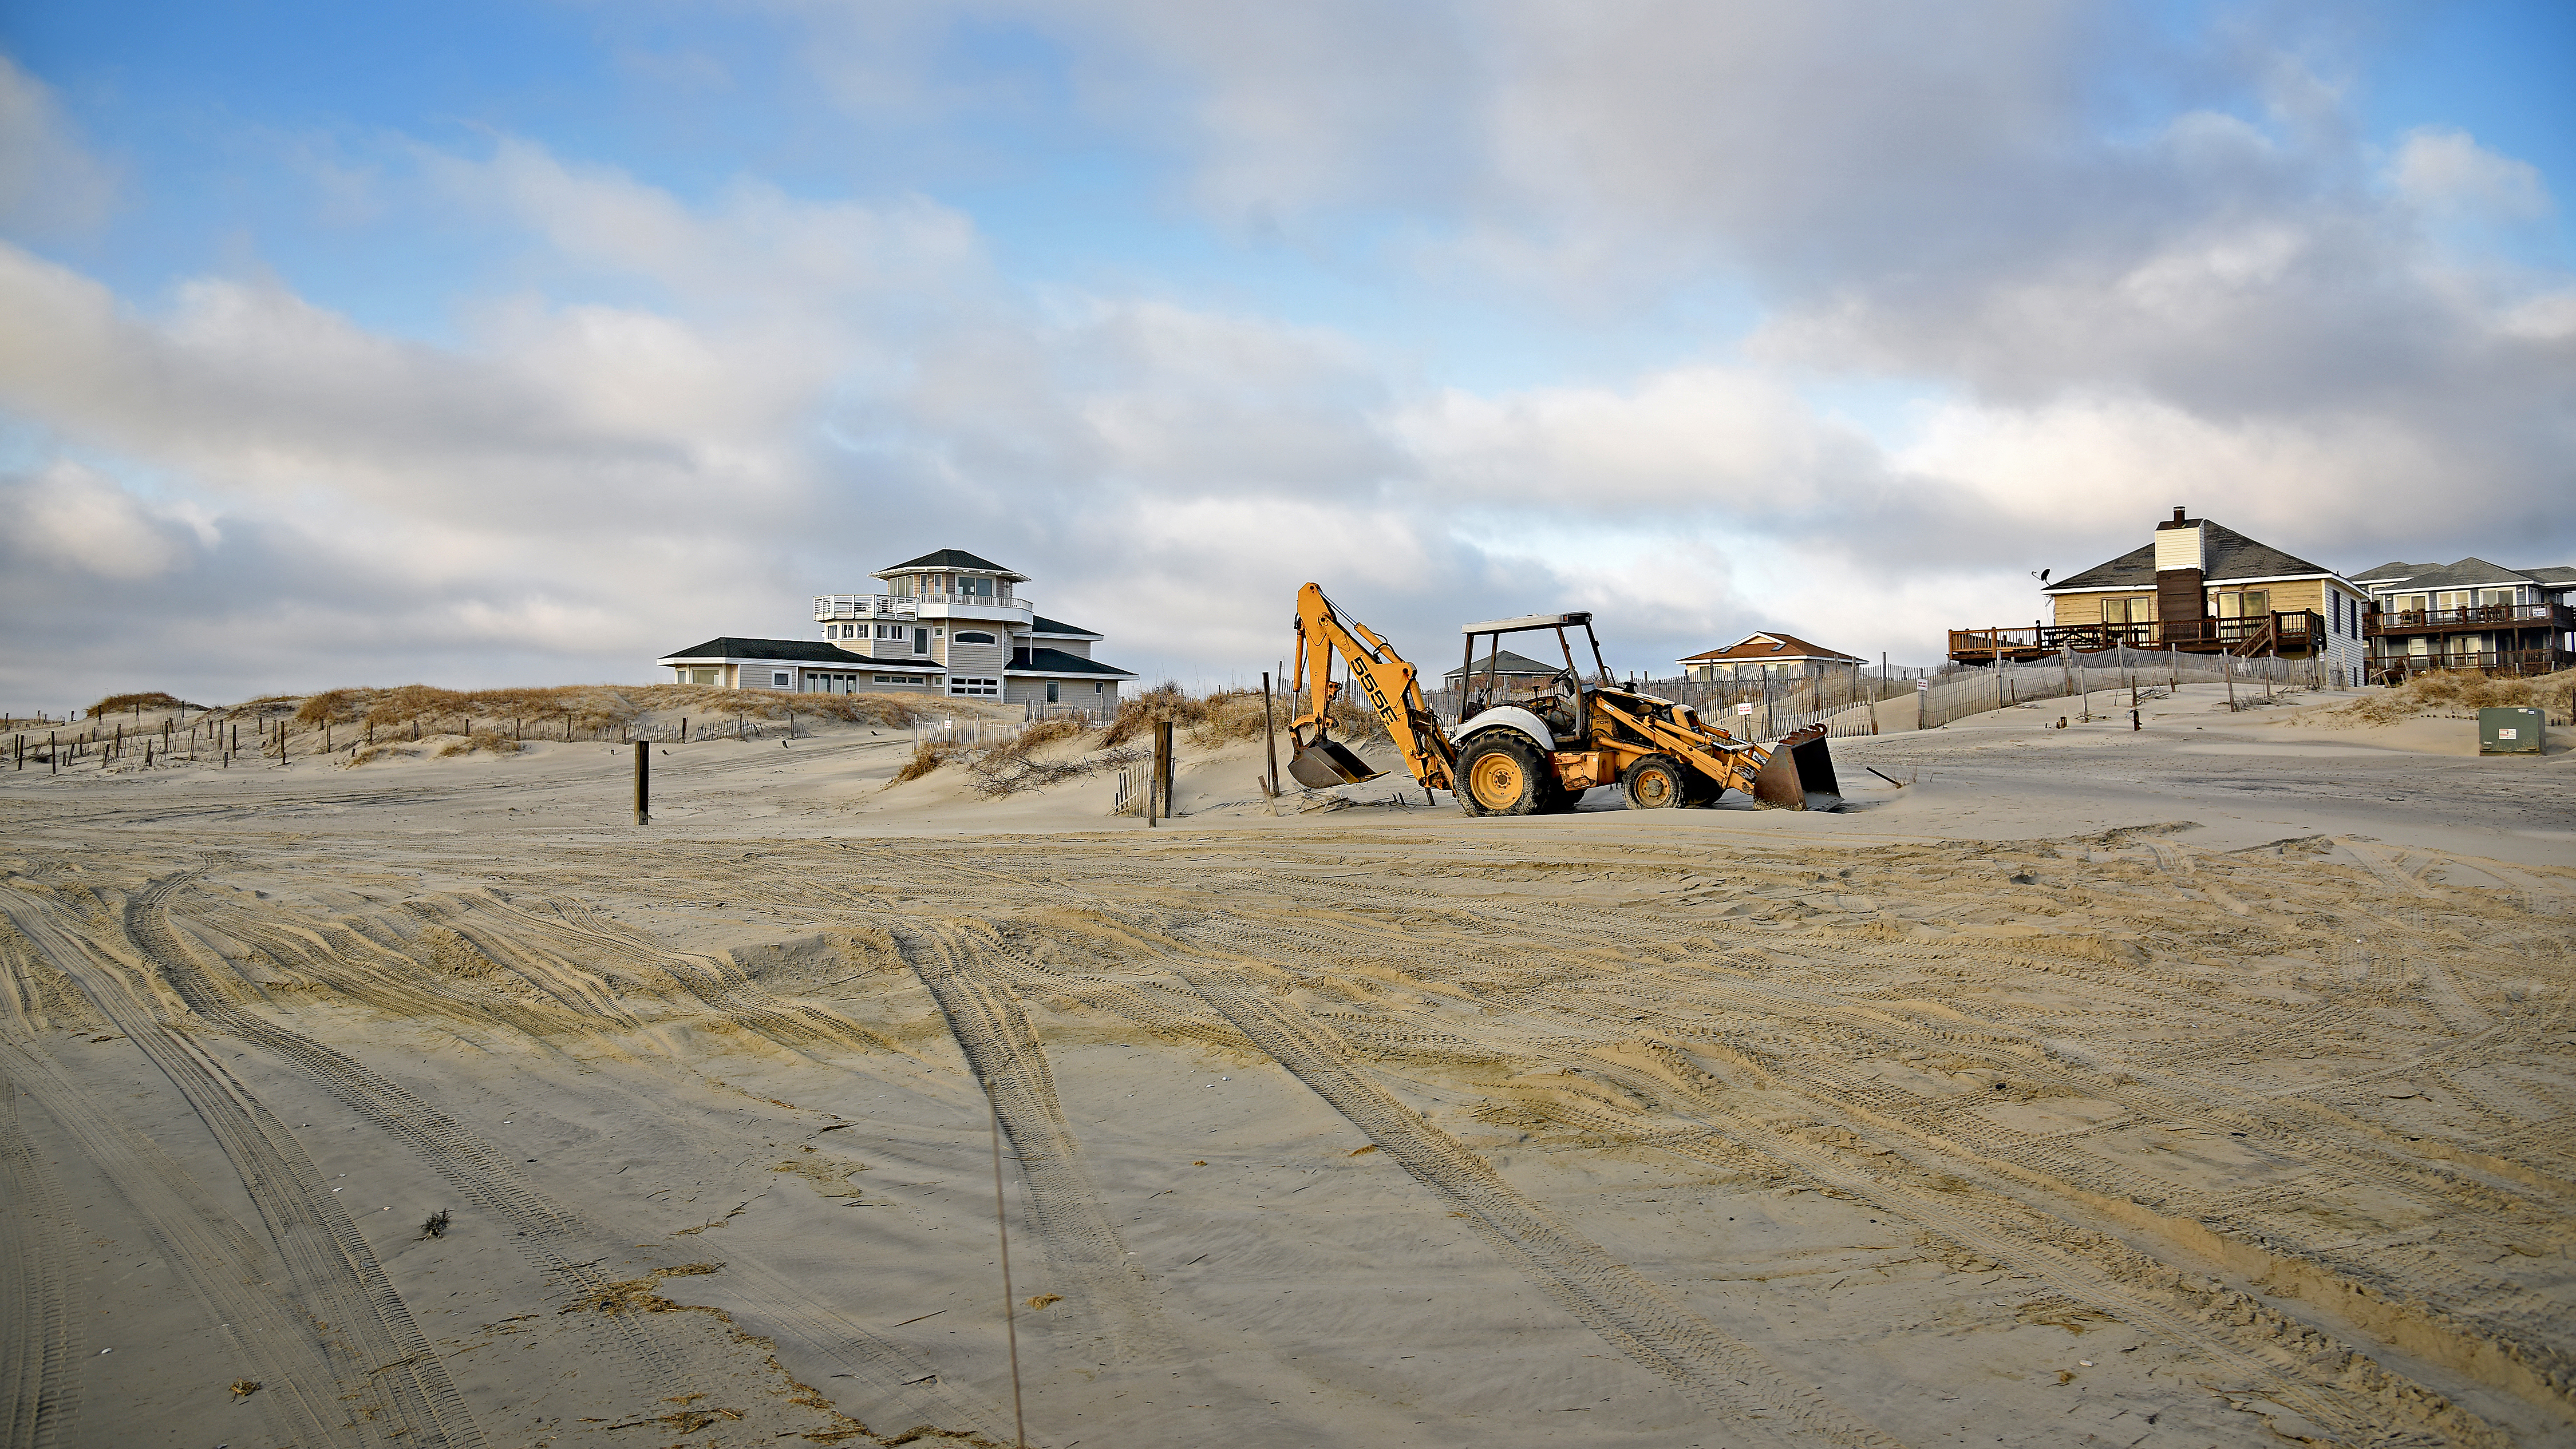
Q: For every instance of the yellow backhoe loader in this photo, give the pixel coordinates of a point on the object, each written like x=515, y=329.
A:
x=1533, y=748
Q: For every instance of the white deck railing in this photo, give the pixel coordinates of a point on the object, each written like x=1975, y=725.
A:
x=903, y=606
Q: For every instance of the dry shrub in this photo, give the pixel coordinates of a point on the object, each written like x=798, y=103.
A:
x=491, y=741
x=2448, y=693
x=126, y=703
x=927, y=756
x=997, y=778
x=1228, y=715
x=1232, y=714
x=1011, y=766
x=1044, y=732
x=1165, y=701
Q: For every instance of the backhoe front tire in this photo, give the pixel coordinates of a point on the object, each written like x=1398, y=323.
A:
x=1504, y=774
x=1657, y=782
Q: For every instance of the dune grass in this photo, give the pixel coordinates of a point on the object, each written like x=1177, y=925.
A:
x=1226, y=715
x=2447, y=693
x=589, y=709
x=151, y=700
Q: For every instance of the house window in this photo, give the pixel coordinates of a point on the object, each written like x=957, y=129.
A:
x=2128, y=611
x=920, y=641
x=973, y=636
x=968, y=684
x=778, y=680
x=899, y=679
x=1097, y=688
x=1052, y=696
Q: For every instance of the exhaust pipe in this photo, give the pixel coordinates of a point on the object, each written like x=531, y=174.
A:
x=1800, y=774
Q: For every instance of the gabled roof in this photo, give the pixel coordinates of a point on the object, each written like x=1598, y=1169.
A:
x=2470, y=573
x=801, y=651
x=1056, y=661
x=2228, y=556
x=951, y=558
x=1508, y=665
x=1057, y=628
x=1771, y=647
x=2389, y=572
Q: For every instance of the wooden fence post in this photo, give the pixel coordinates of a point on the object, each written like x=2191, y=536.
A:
x=1159, y=788
x=643, y=783
x=1270, y=735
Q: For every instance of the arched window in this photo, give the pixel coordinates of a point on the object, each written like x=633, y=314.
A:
x=973, y=636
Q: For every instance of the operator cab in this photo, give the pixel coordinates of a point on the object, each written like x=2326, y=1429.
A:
x=1557, y=698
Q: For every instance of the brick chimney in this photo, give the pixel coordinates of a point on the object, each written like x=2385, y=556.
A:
x=2182, y=558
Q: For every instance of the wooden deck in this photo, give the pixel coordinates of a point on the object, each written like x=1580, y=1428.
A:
x=2290, y=634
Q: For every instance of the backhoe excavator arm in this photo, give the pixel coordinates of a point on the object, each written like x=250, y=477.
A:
x=1385, y=680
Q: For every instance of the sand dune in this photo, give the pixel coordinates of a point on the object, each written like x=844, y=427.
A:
x=2203, y=1084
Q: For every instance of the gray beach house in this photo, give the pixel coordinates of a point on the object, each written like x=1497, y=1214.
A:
x=949, y=623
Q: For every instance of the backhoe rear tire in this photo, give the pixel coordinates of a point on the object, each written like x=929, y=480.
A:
x=1504, y=774
x=1657, y=782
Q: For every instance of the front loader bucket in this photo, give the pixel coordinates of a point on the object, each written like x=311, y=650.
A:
x=1324, y=764
x=1800, y=774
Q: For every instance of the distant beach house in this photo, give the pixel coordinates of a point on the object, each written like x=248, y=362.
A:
x=1757, y=655
x=949, y=623
x=1514, y=671
x=2197, y=587
x=2469, y=615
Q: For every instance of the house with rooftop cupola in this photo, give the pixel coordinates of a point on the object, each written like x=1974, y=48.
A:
x=947, y=624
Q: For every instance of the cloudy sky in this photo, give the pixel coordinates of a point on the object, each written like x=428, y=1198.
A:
x=521, y=342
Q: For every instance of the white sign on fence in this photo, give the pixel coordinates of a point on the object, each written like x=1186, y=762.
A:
x=1744, y=709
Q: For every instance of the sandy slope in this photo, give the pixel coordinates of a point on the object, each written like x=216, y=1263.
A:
x=2201, y=1084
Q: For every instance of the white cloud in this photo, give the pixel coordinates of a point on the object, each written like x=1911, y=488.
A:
x=2443, y=169
x=1692, y=443
x=49, y=181
x=67, y=514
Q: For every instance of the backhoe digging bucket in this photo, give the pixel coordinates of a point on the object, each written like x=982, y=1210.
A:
x=1324, y=764
x=1800, y=774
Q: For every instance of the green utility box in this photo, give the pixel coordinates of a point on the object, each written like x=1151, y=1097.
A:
x=2512, y=731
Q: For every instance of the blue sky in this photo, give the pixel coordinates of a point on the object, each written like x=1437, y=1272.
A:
x=521, y=343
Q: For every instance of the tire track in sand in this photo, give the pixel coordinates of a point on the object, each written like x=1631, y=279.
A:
x=231, y=1272
x=1081, y=1247
x=337, y=1281
x=39, y=1338
x=546, y=1236
x=1707, y=1365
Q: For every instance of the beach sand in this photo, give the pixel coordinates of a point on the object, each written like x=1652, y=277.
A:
x=2203, y=1084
